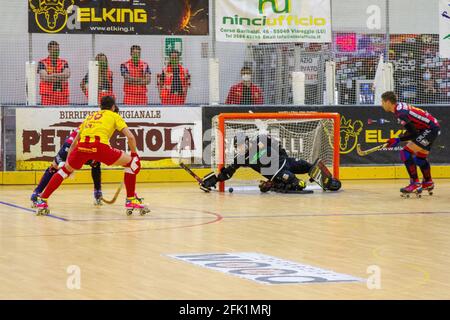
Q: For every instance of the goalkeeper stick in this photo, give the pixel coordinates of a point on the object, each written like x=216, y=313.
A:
x=114, y=198
x=363, y=153
x=192, y=173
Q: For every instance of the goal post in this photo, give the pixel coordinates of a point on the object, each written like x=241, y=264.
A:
x=305, y=135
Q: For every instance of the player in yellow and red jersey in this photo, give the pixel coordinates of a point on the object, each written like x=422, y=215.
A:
x=92, y=143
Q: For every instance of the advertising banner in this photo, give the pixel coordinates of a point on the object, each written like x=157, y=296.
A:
x=158, y=132
x=1, y=139
x=369, y=126
x=444, y=28
x=175, y=17
x=273, y=21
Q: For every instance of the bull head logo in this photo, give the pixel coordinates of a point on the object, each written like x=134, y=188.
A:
x=50, y=15
x=349, y=134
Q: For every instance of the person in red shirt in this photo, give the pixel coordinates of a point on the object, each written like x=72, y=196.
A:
x=245, y=92
x=174, y=81
x=105, y=79
x=54, y=73
x=137, y=76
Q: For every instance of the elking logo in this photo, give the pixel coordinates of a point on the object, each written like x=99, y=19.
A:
x=275, y=6
x=349, y=134
x=50, y=15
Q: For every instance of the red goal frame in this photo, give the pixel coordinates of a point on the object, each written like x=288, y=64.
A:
x=221, y=118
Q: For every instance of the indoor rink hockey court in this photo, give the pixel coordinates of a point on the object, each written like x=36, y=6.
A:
x=364, y=228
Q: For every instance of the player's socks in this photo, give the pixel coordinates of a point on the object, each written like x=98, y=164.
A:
x=55, y=182
x=424, y=165
x=96, y=174
x=407, y=156
x=130, y=184
x=48, y=174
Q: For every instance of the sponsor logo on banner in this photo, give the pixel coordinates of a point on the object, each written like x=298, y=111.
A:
x=183, y=17
x=159, y=132
x=50, y=15
x=273, y=21
x=350, y=131
x=263, y=268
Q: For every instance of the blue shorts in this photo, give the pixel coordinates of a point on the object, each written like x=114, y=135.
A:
x=61, y=156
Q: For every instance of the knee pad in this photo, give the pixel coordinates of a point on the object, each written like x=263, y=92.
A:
x=406, y=155
x=52, y=170
x=63, y=172
x=421, y=159
x=134, y=166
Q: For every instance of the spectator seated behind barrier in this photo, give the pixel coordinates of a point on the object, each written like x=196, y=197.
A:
x=173, y=81
x=137, y=76
x=105, y=79
x=54, y=73
x=245, y=92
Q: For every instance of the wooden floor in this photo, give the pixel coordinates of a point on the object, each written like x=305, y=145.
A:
x=123, y=257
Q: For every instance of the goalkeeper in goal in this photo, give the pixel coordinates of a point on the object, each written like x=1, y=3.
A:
x=265, y=155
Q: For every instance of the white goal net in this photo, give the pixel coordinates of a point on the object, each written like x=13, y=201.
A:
x=306, y=136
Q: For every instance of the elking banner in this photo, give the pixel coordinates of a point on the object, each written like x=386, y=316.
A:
x=444, y=28
x=174, y=17
x=273, y=21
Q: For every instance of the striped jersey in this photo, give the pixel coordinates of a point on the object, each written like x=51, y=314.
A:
x=419, y=118
x=72, y=136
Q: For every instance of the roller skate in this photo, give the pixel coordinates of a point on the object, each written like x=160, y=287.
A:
x=141, y=200
x=428, y=186
x=134, y=204
x=415, y=187
x=42, y=207
x=34, y=199
x=98, y=195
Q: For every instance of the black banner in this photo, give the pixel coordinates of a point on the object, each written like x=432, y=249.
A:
x=152, y=17
x=367, y=125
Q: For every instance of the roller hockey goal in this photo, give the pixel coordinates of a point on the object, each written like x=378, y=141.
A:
x=304, y=135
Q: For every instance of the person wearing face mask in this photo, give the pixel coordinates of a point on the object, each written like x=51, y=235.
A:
x=428, y=88
x=245, y=92
x=137, y=76
x=54, y=73
x=174, y=81
x=105, y=79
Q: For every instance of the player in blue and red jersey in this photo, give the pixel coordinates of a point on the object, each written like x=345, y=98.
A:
x=421, y=131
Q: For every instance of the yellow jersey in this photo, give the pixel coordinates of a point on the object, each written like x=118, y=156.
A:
x=102, y=124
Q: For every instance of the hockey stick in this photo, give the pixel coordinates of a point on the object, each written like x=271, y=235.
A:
x=114, y=198
x=196, y=177
x=363, y=153
x=188, y=170
x=192, y=173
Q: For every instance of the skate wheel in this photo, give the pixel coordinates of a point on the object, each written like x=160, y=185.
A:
x=43, y=212
x=430, y=193
x=98, y=203
x=129, y=212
